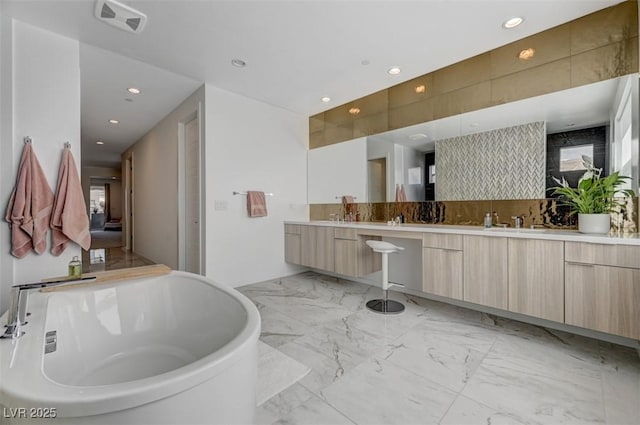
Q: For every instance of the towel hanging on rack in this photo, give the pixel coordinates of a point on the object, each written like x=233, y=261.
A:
x=256, y=204
x=69, y=219
x=30, y=206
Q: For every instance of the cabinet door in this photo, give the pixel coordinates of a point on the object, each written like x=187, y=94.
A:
x=345, y=252
x=292, y=248
x=442, y=272
x=308, y=252
x=536, y=278
x=603, y=298
x=324, y=248
x=485, y=271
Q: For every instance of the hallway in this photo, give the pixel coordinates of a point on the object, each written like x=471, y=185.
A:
x=101, y=259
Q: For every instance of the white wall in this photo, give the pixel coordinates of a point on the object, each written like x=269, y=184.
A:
x=337, y=170
x=155, y=185
x=251, y=146
x=46, y=106
x=6, y=118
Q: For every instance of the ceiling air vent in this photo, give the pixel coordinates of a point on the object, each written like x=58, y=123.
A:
x=120, y=16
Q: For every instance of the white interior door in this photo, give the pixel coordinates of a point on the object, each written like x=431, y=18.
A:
x=192, y=196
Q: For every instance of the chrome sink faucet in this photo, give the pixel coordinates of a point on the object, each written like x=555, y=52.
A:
x=18, y=308
x=518, y=221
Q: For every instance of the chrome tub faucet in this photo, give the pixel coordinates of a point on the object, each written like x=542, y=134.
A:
x=17, y=315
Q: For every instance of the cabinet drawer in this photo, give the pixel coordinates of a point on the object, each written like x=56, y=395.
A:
x=292, y=228
x=345, y=233
x=602, y=298
x=442, y=272
x=603, y=254
x=441, y=240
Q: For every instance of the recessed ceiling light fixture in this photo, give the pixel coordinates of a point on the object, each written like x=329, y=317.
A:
x=238, y=63
x=114, y=121
x=394, y=71
x=512, y=23
x=326, y=99
x=99, y=142
x=354, y=111
x=526, y=54
x=421, y=88
x=134, y=90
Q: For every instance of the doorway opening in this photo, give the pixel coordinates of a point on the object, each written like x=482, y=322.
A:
x=377, y=179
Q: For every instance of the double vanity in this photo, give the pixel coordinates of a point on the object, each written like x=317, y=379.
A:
x=588, y=281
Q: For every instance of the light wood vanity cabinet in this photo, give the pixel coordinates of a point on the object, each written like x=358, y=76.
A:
x=335, y=249
x=352, y=255
x=485, y=271
x=536, y=278
x=602, y=288
x=292, y=243
x=316, y=247
x=442, y=265
x=590, y=285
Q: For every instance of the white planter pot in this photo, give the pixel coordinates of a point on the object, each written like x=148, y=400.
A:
x=594, y=223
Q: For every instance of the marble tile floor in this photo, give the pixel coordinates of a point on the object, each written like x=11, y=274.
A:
x=102, y=259
x=434, y=363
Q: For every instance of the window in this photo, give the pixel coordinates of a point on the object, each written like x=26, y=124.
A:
x=571, y=157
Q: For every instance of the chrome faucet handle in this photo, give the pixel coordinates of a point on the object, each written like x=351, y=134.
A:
x=17, y=313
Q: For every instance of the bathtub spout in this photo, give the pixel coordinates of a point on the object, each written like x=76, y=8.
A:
x=17, y=313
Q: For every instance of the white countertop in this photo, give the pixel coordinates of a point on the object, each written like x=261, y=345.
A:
x=510, y=232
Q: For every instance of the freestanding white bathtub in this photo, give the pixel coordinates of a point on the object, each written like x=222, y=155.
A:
x=175, y=349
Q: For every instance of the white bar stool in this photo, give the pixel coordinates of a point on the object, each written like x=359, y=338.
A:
x=385, y=305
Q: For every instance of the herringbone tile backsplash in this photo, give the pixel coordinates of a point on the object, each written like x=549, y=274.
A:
x=506, y=163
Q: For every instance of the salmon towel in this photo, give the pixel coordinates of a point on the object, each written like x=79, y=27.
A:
x=256, y=204
x=347, y=199
x=29, y=207
x=69, y=219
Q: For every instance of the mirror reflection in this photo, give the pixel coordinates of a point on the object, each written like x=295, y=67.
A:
x=483, y=154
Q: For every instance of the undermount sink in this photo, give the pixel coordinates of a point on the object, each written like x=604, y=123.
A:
x=513, y=229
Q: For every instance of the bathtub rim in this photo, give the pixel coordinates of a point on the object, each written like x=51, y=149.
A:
x=35, y=389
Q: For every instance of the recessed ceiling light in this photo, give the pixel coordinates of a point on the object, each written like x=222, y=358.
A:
x=354, y=111
x=238, y=63
x=512, y=23
x=99, y=142
x=526, y=54
x=114, y=121
x=365, y=62
x=134, y=90
x=394, y=71
x=420, y=89
x=128, y=99
x=418, y=136
x=326, y=99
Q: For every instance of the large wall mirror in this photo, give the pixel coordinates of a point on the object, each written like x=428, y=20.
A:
x=507, y=151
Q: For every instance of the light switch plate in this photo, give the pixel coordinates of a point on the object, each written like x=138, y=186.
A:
x=220, y=205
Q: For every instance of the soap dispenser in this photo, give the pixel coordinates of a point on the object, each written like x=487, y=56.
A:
x=487, y=220
x=75, y=267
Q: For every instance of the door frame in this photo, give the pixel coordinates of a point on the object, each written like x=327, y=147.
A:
x=129, y=202
x=195, y=114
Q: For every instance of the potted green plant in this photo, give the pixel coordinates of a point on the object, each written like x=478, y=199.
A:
x=595, y=197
